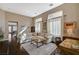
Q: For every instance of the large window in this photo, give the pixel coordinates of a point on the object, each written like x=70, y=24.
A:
x=38, y=23
x=55, y=26
x=54, y=23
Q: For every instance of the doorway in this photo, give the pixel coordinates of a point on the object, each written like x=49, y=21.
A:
x=13, y=29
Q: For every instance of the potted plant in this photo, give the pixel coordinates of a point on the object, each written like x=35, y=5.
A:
x=1, y=34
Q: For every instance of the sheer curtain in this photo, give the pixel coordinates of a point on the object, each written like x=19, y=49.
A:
x=54, y=23
x=38, y=26
x=55, y=26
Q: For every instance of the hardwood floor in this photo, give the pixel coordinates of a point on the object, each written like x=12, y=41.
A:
x=14, y=49
x=20, y=52
x=3, y=47
x=23, y=52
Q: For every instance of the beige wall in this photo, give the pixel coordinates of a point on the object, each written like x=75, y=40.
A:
x=7, y=16
x=77, y=30
x=2, y=21
x=70, y=10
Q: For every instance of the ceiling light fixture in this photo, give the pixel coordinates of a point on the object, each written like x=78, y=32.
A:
x=51, y=4
x=35, y=13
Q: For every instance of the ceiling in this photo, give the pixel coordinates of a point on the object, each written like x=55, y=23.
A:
x=28, y=9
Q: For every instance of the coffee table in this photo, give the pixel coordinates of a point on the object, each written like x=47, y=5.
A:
x=38, y=39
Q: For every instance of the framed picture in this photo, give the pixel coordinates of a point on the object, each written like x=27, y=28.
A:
x=70, y=25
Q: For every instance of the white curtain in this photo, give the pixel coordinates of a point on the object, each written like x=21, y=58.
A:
x=56, y=27
x=38, y=26
x=54, y=23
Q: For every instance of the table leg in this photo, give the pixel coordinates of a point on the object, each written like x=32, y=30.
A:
x=37, y=45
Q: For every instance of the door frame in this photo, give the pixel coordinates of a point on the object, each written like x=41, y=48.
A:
x=10, y=25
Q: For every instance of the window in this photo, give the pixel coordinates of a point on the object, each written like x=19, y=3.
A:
x=54, y=23
x=55, y=26
x=38, y=23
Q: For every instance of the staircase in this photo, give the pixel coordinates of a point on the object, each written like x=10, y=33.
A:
x=24, y=34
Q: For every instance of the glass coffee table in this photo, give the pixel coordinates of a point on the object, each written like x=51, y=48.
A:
x=36, y=40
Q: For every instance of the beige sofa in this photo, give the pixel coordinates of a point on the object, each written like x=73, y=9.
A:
x=39, y=38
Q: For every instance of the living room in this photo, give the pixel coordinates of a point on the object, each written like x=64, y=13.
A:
x=41, y=30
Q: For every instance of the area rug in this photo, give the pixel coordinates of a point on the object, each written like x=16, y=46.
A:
x=46, y=49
